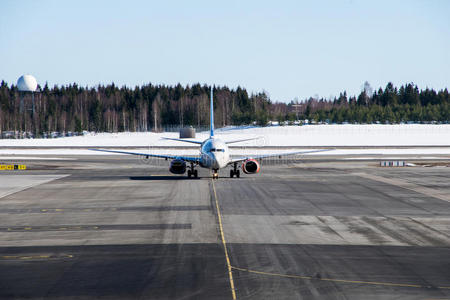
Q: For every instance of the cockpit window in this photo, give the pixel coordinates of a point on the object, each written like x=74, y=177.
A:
x=217, y=150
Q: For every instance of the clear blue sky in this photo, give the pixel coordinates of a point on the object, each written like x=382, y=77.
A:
x=287, y=48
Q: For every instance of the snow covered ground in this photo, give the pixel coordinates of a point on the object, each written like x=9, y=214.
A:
x=295, y=136
x=311, y=135
x=51, y=154
x=353, y=135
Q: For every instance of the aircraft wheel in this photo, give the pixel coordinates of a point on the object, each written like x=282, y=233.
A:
x=195, y=173
x=189, y=173
x=231, y=173
x=238, y=173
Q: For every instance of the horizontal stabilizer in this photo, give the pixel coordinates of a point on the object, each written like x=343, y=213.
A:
x=183, y=140
x=242, y=140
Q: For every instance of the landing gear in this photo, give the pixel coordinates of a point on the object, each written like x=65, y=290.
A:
x=215, y=174
x=235, y=171
x=192, y=172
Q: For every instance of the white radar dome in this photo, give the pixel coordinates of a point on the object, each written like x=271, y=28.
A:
x=27, y=83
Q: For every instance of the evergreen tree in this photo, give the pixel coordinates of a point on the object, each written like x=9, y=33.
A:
x=110, y=108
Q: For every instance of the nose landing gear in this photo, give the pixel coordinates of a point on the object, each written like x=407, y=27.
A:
x=215, y=175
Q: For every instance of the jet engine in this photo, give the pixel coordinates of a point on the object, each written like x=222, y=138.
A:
x=250, y=166
x=177, y=166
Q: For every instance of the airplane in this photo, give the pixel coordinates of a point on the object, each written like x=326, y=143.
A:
x=214, y=155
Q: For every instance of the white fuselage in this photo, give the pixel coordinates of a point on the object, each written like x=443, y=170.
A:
x=214, y=154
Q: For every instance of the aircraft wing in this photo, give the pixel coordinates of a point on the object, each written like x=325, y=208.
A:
x=185, y=158
x=239, y=159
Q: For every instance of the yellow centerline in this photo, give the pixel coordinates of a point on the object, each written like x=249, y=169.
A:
x=224, y=243
x=337, y=280
x=230, y=267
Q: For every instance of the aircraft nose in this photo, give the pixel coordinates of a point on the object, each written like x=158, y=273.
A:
x=215, y=161
x=219, y=160
x=211, y=161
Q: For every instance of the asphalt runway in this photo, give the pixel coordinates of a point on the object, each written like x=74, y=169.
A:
x=113, y=227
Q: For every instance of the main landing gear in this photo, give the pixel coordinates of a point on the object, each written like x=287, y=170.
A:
x=192, y=172
x=235, y=171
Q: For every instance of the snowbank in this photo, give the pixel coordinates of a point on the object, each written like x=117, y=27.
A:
x=296, y=136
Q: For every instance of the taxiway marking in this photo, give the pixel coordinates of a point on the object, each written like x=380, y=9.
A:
x=48, y=178
x=224, y=243
x=339, y=280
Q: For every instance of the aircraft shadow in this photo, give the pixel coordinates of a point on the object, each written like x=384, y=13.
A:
x=161, y=178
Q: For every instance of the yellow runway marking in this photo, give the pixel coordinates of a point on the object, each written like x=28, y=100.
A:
x=230, y=267
x=224, y=243
x=337, y=280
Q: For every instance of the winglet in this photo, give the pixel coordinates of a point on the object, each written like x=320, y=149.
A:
x=211, y=134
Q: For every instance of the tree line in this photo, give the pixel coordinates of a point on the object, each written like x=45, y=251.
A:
x=391, y=105
x=109, y=108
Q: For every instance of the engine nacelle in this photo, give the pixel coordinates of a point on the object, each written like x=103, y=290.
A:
x=177, y=166
x=250, y=166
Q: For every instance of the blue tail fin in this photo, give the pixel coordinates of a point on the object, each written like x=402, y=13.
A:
x=211, y=134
